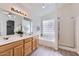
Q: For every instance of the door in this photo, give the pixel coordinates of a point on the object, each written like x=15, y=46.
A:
x=67, y=32
x=18, y=51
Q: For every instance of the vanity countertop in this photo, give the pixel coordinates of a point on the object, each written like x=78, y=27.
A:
x=13, y=38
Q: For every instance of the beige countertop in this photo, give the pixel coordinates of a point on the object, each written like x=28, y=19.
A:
x=13, y=38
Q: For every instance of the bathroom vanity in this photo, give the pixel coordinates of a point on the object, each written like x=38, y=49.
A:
x=14, y=45
x=18, y=46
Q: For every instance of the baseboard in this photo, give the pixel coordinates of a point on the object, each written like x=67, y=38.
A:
x=77, y=52
x=47, y=47
x=68, y=48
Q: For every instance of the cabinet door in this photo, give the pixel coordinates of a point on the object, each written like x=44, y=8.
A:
x=7, y=53
x=35, y=42
x=18, y=51
x=28, y=48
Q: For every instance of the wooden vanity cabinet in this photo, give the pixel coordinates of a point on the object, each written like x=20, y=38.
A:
x=19, y=48
x=12, y=49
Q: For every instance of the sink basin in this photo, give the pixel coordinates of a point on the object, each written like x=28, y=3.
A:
x=8, y=39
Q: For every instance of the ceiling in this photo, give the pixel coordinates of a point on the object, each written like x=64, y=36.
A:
x=36, y=8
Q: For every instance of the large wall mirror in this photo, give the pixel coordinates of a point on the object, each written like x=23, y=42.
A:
x=11, y=23
x=27, y=26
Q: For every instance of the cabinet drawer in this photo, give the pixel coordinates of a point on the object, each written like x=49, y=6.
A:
x=28, y=44
x=10, y=45
x=28, y=39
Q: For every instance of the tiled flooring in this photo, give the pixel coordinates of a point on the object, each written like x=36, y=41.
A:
x=44, y=51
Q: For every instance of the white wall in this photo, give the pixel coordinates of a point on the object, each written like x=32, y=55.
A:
x=76, y=12
x=77, y=34
x=36, y=22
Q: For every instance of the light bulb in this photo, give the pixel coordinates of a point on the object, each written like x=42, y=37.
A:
x=43, y=5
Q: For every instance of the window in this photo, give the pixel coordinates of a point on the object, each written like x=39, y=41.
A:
x=26, y=26
x=48, y=29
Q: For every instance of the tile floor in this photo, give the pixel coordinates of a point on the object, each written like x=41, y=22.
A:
x=44, y=51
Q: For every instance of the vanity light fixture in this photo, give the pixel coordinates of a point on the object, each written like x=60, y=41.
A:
x=18, y=11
